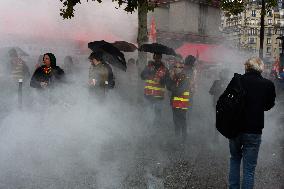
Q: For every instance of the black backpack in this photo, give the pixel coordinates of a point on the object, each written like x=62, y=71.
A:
x=229, y=108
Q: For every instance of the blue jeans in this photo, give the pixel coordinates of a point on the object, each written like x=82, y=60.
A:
x=246, y=147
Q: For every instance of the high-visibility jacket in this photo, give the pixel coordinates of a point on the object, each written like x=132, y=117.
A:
x=153, y=87
x=181, y=101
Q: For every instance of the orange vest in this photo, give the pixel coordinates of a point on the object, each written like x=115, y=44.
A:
x=182, y=101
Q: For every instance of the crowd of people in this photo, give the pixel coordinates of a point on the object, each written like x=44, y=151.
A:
x=180, y=81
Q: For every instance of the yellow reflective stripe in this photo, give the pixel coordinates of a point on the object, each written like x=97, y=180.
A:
x=151, y=81
x=186, y=93
x=154, y=88
x=181, y=99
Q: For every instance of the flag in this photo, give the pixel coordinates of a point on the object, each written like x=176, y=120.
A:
x=153, y=31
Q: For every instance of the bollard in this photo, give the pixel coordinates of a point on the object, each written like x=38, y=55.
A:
x=20, y=94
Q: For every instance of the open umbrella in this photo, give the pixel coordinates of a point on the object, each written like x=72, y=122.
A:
x=125, y=46
x=111, y=53
x=157, y=48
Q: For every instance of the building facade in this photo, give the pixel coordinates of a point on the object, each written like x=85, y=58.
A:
x=242, y=31
x=178, y=21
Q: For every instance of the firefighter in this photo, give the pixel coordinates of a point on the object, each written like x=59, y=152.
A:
x=178, y=84
x=155, y=74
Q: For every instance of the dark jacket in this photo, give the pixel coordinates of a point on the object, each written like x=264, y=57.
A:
x=56, y=74
x=39, y=75
x=103, y=74
x=260, y=97
x=178, y=85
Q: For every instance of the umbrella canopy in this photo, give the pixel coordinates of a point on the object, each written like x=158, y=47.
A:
x=157, y=48
x=111, y=53
x=203, y=52
x=125, y=46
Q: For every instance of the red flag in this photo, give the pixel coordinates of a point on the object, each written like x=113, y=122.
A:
x=153, y=32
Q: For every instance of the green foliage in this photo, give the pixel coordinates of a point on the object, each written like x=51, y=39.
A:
x=234, y=7
x=67, y=11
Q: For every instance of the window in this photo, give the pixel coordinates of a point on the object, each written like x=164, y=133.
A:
x=268, y=49
x=252, y=31
x=269, y=31
x=251, y=40
x=253, y=13
x=269, y=21
x=269, y=13
x=268, y=40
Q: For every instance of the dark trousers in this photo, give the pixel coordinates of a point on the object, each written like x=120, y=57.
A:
x=179, y=118
x=156, y=105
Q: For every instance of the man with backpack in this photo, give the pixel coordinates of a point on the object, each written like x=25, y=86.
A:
x=247, y=97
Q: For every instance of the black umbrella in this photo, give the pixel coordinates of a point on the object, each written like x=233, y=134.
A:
x=125, y=46
x=111, y=53
x=157, y=48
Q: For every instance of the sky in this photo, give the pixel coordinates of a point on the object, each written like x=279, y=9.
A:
x=42, y=18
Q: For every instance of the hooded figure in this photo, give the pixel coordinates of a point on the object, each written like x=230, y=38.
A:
x=68, y=65
x=18, y=68
x=47, y=74
x=219, y=85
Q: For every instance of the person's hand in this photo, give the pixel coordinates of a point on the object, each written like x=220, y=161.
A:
x=92, y=82
x=43, y=84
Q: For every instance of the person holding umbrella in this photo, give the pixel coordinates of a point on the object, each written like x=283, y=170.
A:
x=100, y=75
x=155, y=74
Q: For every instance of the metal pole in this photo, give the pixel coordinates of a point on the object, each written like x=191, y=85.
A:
x=20, y=93
x=262, y=29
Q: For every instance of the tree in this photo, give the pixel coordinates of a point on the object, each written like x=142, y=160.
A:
x=143, y=6
x=234, y=7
